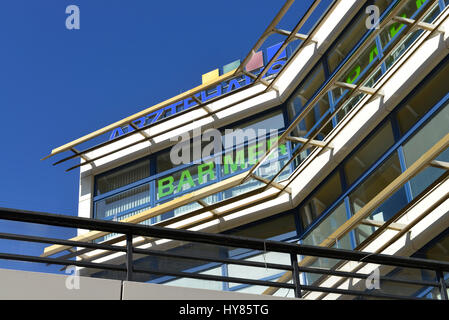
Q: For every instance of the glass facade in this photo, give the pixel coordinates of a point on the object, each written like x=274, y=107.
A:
x=409, y=131
x=323, y=117
x=381, y=158
x=151, y=181
x=167, y=181
x=346, y=191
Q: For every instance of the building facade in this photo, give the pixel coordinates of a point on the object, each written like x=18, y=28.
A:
x=336, y=137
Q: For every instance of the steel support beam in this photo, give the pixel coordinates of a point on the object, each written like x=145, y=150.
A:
x=420, y=24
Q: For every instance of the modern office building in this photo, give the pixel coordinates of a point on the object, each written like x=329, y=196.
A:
x=335, y=137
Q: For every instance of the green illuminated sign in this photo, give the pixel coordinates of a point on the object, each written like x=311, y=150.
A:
x=206, y=172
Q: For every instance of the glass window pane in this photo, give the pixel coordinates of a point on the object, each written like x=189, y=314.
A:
x=422, y=141
x=122, y=177
x=186, y=179
x=350, y=38
x=251, y=184
x=125, y=201
x=427, y=96
x=342, y=48
x=375, y=183
x=348, y=106
x=321, y=200
x=268, y=229
x=273, y=120
x=427, y=136
x=313, y=120
x=307, y=89
x=163, y=162
x=178, y=211
x=258, y=128
x=357, y=68
x=408, y=9
x=368, y=153
x=383, y=213
x=328, y=226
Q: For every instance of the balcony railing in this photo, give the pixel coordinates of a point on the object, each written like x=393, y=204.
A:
x=171, y=236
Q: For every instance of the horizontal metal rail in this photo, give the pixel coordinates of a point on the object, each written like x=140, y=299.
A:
x=346, y=274
x=199, y=237
x=112, y=267
x=346, y=292
x=216, y=239
x=17, y=237
x=103, y=266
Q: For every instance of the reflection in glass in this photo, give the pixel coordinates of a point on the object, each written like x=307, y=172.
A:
x=122, y=177
x=368, y=153
x=327, y=227
x=320, y=200
x=375, y=183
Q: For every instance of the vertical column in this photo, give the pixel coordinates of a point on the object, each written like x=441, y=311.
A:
x=443, y=288
x=129, y=257
x=295, y=275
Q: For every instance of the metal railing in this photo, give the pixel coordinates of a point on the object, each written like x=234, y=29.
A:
x=129, y=251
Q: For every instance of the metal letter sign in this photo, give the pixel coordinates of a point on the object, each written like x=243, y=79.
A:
x=205, y=95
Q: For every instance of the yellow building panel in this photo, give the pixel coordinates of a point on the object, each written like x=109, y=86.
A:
x=211, y=76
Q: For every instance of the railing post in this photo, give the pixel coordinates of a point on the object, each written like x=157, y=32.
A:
x=129, y=257
x=442, y=285
x=295, y=275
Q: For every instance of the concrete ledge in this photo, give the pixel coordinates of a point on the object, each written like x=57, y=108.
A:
x=149, y=291
x=26, y=285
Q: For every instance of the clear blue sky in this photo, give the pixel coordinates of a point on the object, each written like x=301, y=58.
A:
x=57, y=85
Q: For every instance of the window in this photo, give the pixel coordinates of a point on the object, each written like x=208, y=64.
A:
x=299, y=100
x=375, y=183
x=122, y=177
x=321, y=200
x=351, y=37
x=128, y=201
x=186, y=179
x=269, y=229
x=128, y=190
x=428, y=95
x=307, y=89
x=368, y=153
x=259, y=128
x=327, y=227
x=422, y=141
